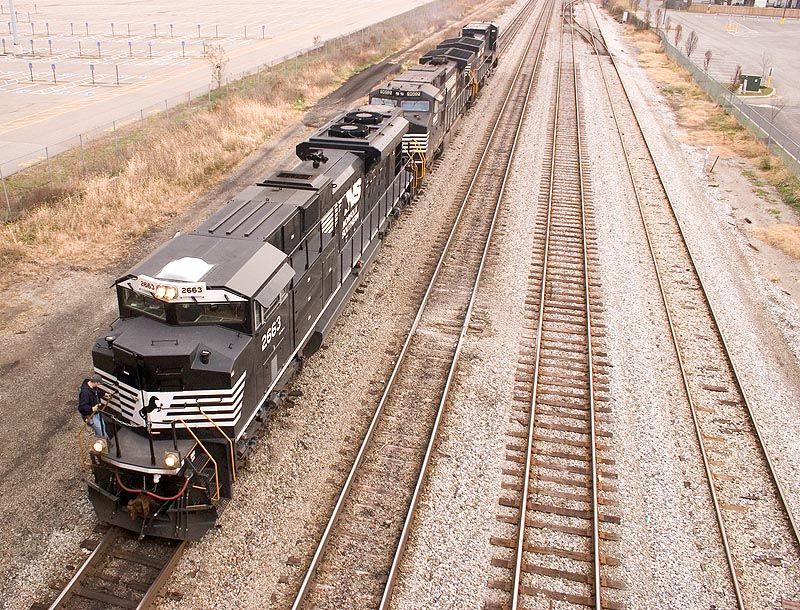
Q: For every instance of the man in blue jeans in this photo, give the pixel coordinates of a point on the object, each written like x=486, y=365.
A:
x=88, y=400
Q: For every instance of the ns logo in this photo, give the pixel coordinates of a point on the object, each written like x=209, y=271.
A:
x=353, y=194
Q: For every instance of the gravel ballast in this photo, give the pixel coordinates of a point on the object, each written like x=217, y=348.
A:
x=719, y=260
x=258, y=556
x=448, y=562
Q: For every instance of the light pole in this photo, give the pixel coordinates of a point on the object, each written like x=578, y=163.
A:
x=14, y=34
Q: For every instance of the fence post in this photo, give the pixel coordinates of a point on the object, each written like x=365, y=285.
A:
x=49, y=167
x=116, y=138
x=5, y=192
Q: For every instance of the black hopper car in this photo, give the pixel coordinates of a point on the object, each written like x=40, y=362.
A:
x=213, y=324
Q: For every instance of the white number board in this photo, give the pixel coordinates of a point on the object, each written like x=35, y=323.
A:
x=185, y=290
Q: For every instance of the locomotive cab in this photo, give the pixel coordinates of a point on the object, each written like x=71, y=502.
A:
x=200, y=338
x=422, y=105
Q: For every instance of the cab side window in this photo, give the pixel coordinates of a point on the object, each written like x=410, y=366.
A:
x=260, y=316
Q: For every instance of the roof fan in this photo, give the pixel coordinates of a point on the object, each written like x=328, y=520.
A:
x=348, y=130
x=363, y=117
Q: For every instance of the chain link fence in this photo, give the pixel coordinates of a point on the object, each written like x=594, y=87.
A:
x=752, y=118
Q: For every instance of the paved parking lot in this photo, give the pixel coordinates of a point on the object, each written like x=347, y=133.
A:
x=749, y=42
x=82, y=64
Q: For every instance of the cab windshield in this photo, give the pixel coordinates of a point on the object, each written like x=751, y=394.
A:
x=209, y=313
x=416, y=106
x=382, y=101
x=138, y=303
x=230, y=314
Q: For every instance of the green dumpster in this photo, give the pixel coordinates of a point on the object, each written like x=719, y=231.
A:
x=751, y=83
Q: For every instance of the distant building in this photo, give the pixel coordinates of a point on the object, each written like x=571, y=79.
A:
x=755, y=3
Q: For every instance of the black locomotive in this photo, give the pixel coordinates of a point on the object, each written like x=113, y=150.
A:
x=214, y=323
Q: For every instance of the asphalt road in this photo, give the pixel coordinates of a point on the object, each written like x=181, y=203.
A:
x=63, y=82
x=752, y=42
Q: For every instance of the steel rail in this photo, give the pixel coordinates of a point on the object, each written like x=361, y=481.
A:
x=98, y=553
x=726, y=350
x=592, y=439
x=523, y=509
x=346, y=488
x=516, y=585
x=514, y=27
x=673, y=333
x=69, y=590
x=162, y=577
x=406, y=531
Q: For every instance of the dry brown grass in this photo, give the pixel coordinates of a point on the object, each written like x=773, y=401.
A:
x=156, y=183
x=783, y=236
x=156, y=171
x=705, y=122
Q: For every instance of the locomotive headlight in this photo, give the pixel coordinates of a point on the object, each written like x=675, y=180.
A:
x=161, y=292
x=100, y=445
x=170, y=293
x=172, y=459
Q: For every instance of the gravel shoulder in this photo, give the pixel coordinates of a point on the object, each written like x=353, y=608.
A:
x=758, y=319
x=448, y=562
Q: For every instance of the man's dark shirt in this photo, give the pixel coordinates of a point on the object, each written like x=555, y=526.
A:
x=88, y=398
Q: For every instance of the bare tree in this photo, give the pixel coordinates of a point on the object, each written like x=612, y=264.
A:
x=777, y=106
x=659, y=15
x=707, y=59
x=678, y=34
x=668, y=24
x=737, y=77
x=218, y=60
x=691, y=43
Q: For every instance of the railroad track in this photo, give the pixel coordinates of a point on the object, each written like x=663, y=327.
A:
x=120, y=572
x=356, y=561
x=510, y=32
x=565, y=502
x=759, y=533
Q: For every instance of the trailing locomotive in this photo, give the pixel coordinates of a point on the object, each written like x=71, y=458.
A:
x=214, y=323
x=435, y=94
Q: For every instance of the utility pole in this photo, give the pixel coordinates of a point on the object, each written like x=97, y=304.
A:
x=14, y=34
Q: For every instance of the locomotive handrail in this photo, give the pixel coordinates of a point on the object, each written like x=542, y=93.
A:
x=210, y=457
x=227, y=438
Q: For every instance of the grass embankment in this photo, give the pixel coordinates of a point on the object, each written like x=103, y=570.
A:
x=124, y=187
x=707, y=124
